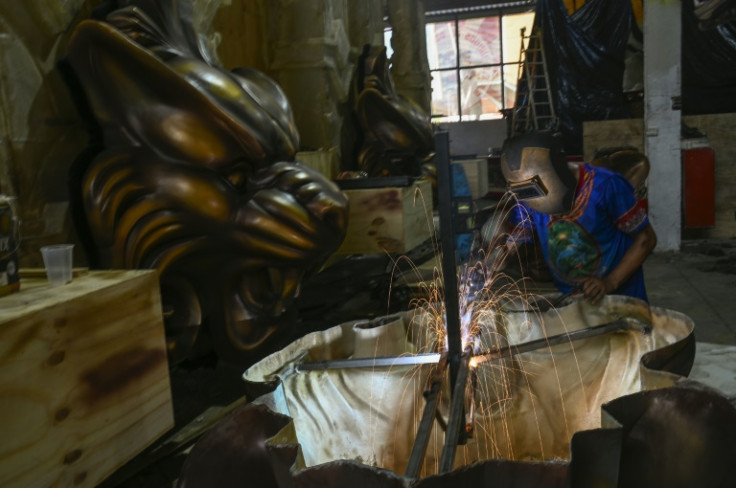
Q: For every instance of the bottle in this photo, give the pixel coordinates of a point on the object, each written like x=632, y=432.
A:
x=9, y=279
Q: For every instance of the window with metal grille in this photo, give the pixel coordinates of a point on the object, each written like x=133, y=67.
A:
x=474, y=61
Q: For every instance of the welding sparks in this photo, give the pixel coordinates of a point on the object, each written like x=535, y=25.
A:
x=483, y=290
x=484, y=287
x=491, y=381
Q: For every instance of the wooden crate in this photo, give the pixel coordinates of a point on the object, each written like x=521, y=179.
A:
x=84, y=378
x=599, y=134
x=390, y=219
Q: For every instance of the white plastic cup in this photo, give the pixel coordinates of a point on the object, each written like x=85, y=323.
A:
x=58, y=262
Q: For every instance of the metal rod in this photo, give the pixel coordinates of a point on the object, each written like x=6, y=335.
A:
x=565, y=337
x=376, y=362
x=470, y=415
x=419, y=449
x=449, y=266
x=457, y=416
x=626, y=323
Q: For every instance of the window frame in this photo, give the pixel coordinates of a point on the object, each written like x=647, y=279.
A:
x=455, y=16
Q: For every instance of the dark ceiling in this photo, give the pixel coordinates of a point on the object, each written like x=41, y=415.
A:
x=434, y=5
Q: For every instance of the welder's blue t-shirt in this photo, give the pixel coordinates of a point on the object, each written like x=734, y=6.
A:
x=592, y=239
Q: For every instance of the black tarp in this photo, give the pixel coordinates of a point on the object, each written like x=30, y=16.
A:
x=586, y=51
x=708, y=65
x=585, y=61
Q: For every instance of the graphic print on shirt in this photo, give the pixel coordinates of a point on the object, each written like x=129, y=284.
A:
x=573, y=253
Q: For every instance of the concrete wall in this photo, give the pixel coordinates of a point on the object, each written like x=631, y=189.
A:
x=475, y=138
x=662, y=34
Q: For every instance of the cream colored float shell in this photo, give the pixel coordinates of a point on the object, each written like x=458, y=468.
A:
x=528, y=406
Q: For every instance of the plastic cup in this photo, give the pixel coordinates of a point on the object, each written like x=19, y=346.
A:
x=58, y=262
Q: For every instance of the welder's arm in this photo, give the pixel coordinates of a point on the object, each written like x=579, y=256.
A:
x=595, y=288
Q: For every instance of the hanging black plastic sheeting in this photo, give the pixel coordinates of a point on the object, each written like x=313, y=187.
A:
x=585, y=57
x=708, y=64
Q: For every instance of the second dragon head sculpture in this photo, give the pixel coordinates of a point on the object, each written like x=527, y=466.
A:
x=396, y=135
x=195, y=178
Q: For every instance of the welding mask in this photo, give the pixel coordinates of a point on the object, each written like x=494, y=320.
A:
x=536, y=171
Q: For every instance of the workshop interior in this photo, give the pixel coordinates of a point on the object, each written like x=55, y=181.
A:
x=379, y=243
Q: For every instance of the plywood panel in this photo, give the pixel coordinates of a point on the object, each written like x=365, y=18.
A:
x=612, y=133
x=84, y=378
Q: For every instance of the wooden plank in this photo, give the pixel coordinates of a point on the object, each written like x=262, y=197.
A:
x=612, y=133
x=83, y=376
x=391, y=219
x=170, y=450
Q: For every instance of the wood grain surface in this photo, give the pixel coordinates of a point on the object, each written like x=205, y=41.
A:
x=84, y=377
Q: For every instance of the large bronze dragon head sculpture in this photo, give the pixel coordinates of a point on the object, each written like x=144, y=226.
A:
x=396, y=136
x=196, y=179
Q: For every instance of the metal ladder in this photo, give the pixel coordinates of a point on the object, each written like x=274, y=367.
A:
x=533, y=83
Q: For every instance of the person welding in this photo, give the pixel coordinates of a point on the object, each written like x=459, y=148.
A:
x=593, y=232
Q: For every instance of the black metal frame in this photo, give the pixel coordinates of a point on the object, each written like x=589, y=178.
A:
x=454, y=357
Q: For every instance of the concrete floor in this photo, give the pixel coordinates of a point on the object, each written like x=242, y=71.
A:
x=700, y=281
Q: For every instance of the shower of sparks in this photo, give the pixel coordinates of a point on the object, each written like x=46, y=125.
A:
x=485, y=291
x=484, y=288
